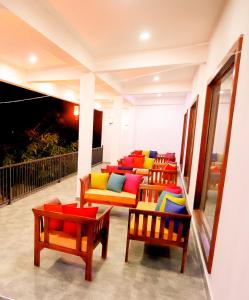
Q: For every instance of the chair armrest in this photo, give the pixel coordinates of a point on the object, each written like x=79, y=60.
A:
x=84, y=186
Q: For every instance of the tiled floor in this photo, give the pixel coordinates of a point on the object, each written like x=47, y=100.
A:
x=151, y=273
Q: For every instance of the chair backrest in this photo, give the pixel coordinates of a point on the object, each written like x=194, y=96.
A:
x=162, y=177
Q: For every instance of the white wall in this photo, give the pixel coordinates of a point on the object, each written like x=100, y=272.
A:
x=230, y=277
x=159, y=127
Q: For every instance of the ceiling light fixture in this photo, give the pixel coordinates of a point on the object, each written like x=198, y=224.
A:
x=159, y=95
x=144, y=36
x=33, y=59
x=156, y=78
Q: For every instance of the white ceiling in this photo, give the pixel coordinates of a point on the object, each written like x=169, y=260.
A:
x=112, y=27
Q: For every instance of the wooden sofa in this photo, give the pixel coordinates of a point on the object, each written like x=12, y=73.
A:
x=89, y=195
x=147, y=225
x=90, y=232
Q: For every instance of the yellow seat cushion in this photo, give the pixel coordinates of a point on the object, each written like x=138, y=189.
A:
x=142, y=171
x=110, y=196
x=149, y=206
x=62, y=239
x=99, y=180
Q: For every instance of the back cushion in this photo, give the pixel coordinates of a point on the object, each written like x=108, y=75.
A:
x=99, y=180
x=174, y=190
x=137, y=152
x=70, y=227
x=153, y=154
x=172, y=207
x=148, y=163
x=116, y=182
x=128, y=161
x=139, y=162
x=110, y=168
x=146, y=153
x=55, y=224
x=132, y=183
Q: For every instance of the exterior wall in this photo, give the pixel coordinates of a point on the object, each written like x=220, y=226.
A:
x=229, y=278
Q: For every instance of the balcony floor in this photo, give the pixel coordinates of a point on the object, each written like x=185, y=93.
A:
x=61, y=276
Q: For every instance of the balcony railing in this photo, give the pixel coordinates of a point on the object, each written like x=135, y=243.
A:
x=19, y=180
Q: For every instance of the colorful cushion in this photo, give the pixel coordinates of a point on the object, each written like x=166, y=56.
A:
x=56, y=224
x=125, y=168
x=165, y=196
x=116, y=182
x=148, y=163
x=174, y=190
x=110, y=168
x=153, y=154
x=128, y=161
x=214, y=157
x=137, y=152
x=146, y=153
x=132, y=183
x=139, y=162
x=99, y=180
x=70, y=227
x=170, y=167
x=172, y=207
x=220, y=157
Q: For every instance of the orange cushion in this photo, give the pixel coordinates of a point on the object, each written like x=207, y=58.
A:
x=138, y=162
x=70, y=227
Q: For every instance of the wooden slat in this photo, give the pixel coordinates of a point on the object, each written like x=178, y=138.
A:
x=153, y=227
x=162, y=227
x=171, y=227
x=46, y=229
x=136, y=224
x=150, y=196
x=145, y=221
x=179, y=232
x=78, y=236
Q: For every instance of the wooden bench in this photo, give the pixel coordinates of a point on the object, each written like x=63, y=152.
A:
x=90, y=232
x=147, y=225
x=89, y=195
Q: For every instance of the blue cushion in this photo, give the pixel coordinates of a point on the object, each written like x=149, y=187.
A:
x=172, y=207
x=125, y=168
x=214, y=157
x=153, y=154
x=116, y=182
x=160, y=199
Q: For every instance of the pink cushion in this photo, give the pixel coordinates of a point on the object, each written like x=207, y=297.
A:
x=128, y=161
x=174, y=190
x=132, y=182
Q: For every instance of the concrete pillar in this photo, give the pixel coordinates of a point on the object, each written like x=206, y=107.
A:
x=87, y=92
x=116, y=130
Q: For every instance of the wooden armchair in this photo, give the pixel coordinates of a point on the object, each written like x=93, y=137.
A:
x=147, y=225
x=162, y=177
x=90, y=232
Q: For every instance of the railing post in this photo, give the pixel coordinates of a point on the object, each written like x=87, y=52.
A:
x=10, y=185
x=59, y=169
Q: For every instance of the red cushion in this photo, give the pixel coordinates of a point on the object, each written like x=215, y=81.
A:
x=174, y=190
x=170, y=167
x=110, y=168
x=136, y=155
x=132, y=182
x=139, y=162
x=138, y=152
x=128, y=161
x=55, y=224
x=70, y=227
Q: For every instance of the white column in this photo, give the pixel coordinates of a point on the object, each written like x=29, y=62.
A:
x=87, y=91
x=115, y=143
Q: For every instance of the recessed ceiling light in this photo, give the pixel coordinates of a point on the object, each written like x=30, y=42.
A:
x=156, y=78
x=159, y=95
x=144, y=36
x=33, y=59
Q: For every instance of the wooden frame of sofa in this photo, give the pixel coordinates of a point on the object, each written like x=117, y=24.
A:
x=85, y=185
x=121, y=172
x=96, y=231
x=150, y=193
x=162, y=177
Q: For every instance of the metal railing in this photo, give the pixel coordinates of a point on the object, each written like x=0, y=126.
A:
x=18, y=180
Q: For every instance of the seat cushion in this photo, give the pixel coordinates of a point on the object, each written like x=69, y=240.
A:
x=142, y=171
x=110, y=196
x=149, y=206
x=62, y=239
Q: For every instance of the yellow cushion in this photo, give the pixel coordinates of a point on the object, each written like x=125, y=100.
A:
x=150, y=206
x=99, y=180
x=148, y=163
x=146, y=153
x=110, y=196
x=63, y=239
x=142, y=171
x=180, y=201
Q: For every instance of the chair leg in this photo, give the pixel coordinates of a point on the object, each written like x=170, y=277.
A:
x=127, y=249
x=88, y=271
x=184, y=256
x=104, y=248
x=37, y=257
